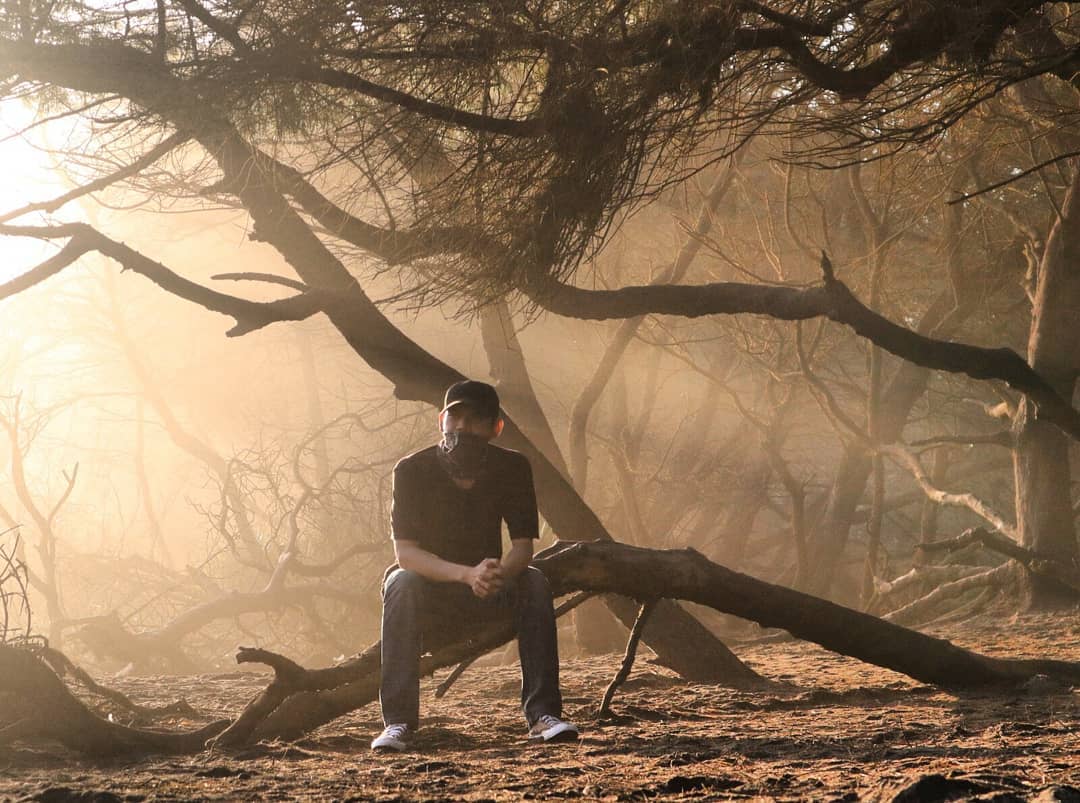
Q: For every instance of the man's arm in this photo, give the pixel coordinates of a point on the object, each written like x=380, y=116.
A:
x=522, y=519
x=485, y=578
x=518, y=558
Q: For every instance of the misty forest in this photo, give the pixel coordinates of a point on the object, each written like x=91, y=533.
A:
x=782, y=302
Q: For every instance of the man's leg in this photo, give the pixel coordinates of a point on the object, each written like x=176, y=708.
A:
x=538, y=646
x=403, y=605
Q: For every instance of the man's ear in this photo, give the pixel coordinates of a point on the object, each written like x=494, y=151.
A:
x=442, y=421
x=499, y=424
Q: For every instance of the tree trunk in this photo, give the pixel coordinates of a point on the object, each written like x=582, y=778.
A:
x=909, y=382
x=506, y=360
x=595, y=629
x=1044, y=514
x=680, y=641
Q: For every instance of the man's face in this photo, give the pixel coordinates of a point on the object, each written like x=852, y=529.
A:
x=462, y=418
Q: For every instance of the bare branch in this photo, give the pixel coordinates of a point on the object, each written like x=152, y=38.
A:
x=967, y=500
x=1015, y=177
x=832, y=300
x=1001, y=438
x=269, y=278
x=144, y=161
x=249, y=315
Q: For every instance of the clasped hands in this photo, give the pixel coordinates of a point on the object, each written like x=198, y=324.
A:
x=486, y=578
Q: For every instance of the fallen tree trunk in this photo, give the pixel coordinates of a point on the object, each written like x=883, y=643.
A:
x=300, y=700
x=689, y=575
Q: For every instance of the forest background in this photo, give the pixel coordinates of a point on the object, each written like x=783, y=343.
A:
x=715, y=257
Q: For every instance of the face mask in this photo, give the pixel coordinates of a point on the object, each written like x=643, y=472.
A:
x=462, y=454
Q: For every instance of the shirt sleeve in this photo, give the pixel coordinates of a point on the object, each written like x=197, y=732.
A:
x=405, y=517
x=519, y=511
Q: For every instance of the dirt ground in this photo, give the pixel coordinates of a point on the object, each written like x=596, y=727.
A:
x=845, y=731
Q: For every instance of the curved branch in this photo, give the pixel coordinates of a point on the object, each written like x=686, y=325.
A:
x=832, y=300
x=966, y=500
x=339, y=79
x=249, y=315
x=1036, y=562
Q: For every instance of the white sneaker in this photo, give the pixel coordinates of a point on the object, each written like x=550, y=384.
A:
x=553, y=729
x=393, y=737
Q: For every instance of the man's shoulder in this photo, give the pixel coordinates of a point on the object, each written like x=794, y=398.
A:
x=418, y=460
x=507, y=459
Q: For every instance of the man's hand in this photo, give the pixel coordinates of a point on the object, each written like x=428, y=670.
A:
x=485, y=578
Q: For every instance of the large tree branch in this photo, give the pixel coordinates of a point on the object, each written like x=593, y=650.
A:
x=833, y=300
x=393, y=246
x=284, y=69
x=82, y=238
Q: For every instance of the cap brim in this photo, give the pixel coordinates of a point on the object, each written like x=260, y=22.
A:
x=458, y=403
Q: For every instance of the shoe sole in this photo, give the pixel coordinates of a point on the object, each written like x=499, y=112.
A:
x=389, y=747
x=560, y=733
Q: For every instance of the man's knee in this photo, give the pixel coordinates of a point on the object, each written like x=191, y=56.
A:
x=403, y=582
x=534, y=585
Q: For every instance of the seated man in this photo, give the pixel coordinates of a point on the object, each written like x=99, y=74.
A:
x=449, y=502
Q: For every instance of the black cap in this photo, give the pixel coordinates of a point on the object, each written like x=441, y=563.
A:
x=480, y=396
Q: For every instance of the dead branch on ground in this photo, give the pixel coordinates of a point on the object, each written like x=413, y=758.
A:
x=932, y=605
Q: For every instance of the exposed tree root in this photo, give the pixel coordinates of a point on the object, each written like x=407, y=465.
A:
x=54, y=713
x=63, y=665
x=891, y=596
x=968, y=609
x=924, y=576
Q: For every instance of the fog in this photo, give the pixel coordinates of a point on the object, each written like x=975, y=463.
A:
x=149, y=398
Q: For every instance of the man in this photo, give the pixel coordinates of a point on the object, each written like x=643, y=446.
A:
x=449, y=502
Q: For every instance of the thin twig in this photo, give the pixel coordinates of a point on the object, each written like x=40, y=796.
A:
x=1016, y=177
x=628, y=658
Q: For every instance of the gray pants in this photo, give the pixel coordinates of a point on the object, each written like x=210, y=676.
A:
x=414, y=606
